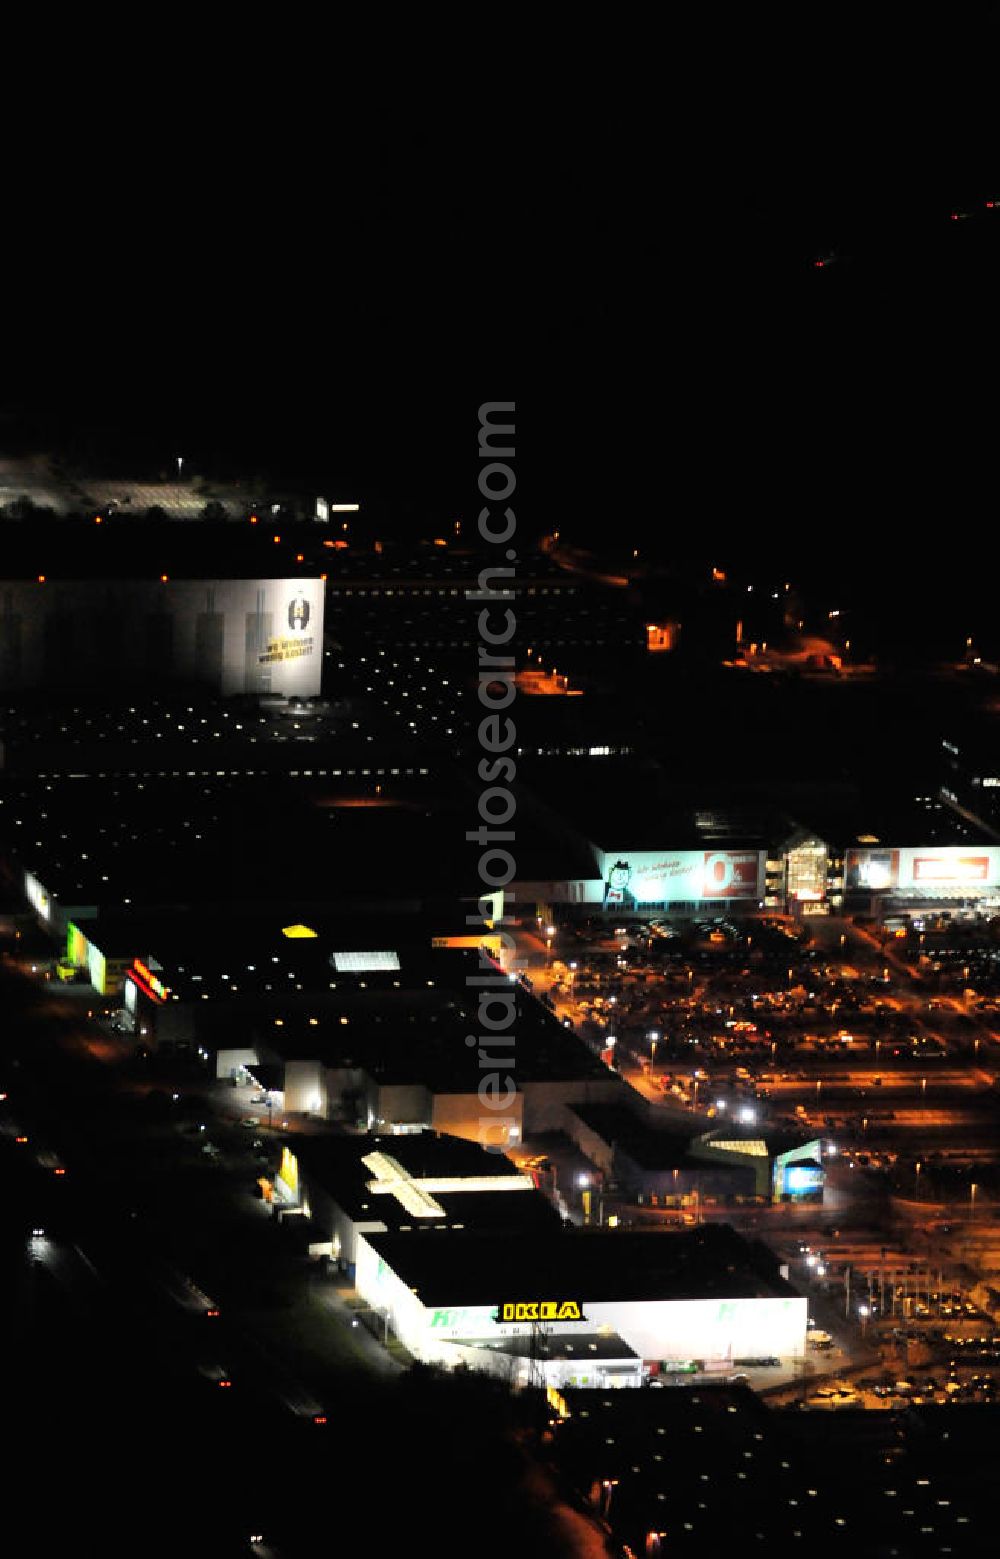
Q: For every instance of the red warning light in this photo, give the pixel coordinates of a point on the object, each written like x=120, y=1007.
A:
x=819, y=264
x=319, y=1418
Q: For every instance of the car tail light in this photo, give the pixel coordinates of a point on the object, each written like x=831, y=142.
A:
x=319, y=1418
x=211, y=1313
x=59, y=1171
x=224, y=1384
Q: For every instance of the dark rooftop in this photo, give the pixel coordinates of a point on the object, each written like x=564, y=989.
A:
x=336, y=1165
x=458, y=1268
x=644, y=1144
x=414, y=1035
x=69, y=550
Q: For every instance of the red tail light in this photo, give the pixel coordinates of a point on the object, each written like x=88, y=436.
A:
x=320, y=1418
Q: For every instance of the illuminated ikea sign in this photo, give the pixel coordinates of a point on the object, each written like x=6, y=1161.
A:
x=542, y=1310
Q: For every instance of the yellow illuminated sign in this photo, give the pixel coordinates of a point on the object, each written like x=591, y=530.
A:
x=492, y=943
x=298, y=931
x=542, y=1310
x=556, y=1401
x=288, y=1174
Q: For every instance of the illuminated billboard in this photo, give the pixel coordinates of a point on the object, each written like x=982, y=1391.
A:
x=37, y=897
x=936, y=869
x=235, y=635
x=680, y=876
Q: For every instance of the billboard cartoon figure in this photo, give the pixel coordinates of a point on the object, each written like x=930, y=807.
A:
x=298, y=612
x=616, y=894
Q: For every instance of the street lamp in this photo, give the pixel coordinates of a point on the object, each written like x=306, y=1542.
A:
x=654, y=1035
x=863, y=1313
x=972, y=1200
x=180, y=465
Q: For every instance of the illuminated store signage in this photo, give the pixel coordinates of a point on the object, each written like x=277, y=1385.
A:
x=147, y=982
x=37, y=896
x=288, y=1174
x=542, y=1310
x=680, y=876
x=945, y=867
x=473, y=1320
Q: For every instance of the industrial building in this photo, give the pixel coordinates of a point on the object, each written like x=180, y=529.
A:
x=350, y=1186
x=581, y=1308
x=732, y=1162
x=109, y=605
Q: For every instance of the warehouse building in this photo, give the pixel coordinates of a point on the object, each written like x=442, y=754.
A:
x=581, y=1308
x=102, y=607
x=351, y=1186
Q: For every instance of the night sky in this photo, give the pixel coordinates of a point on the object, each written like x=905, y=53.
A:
x=684, y=373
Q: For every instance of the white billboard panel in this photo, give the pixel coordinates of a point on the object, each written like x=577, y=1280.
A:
x=234, y=635
x=933, y=869
x=37, y=897
x=680, y=876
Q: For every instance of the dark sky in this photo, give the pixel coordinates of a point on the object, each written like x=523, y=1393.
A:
x=332, y=300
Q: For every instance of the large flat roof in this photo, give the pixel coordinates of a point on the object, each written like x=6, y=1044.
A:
x=71, y=550
x=414, y=1035
x=171, y=841
x=337, y=1165
x=458, y=1268
x=646, y=1145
